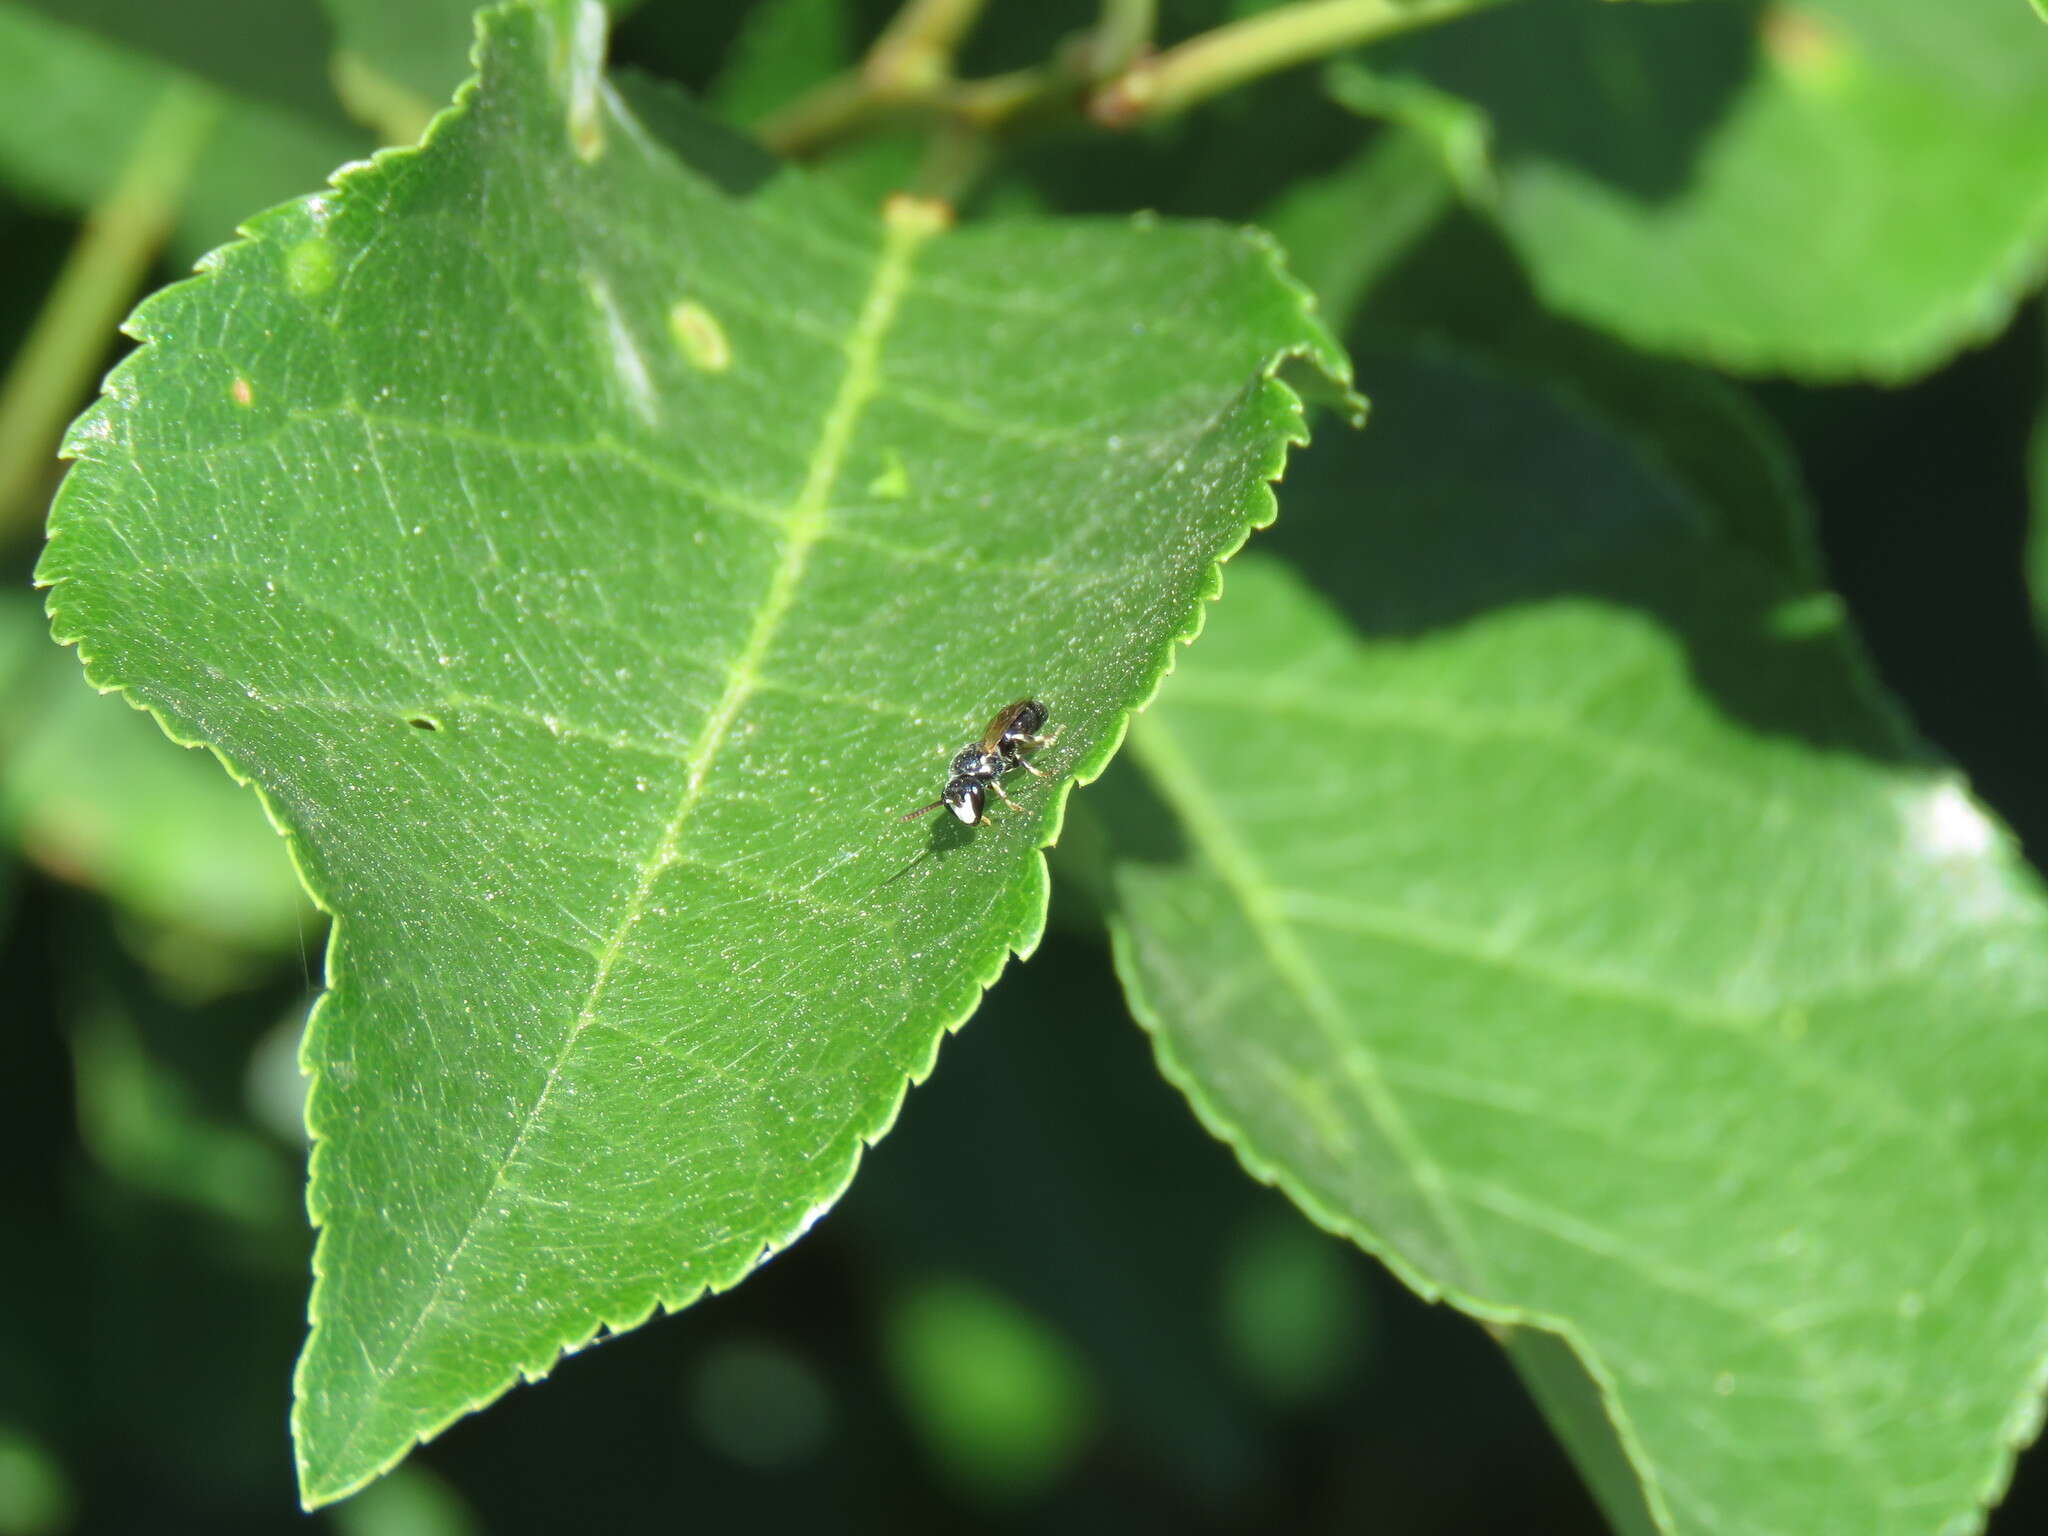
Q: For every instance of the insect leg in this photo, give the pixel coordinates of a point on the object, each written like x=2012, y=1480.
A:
x=1022, y=744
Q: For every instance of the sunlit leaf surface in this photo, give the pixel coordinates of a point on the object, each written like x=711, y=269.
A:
x=1831, y=188
x=1555, y=911
x=592, y=542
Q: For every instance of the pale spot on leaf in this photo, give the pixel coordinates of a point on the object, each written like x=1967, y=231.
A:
x=699, y=336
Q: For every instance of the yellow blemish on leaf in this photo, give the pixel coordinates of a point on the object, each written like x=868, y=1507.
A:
x=241, y=391
x=699, y=336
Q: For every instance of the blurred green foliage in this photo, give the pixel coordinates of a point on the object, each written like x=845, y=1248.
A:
x=1051, y=1302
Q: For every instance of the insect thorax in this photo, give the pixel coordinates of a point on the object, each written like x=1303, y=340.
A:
x=973, y=763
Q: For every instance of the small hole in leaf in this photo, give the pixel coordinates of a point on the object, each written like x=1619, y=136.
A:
x=424, y=723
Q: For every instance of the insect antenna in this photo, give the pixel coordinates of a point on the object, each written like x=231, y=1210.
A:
x=922, y=810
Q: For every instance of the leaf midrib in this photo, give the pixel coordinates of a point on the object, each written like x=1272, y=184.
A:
x=1176, y=775
x=805, y=524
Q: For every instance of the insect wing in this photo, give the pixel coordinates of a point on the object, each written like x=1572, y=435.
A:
x=1015, y=722
x=998, y=728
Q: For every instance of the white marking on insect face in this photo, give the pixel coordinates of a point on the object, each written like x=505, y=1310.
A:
x=966, y=810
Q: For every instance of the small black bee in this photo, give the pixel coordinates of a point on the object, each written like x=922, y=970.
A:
x=980, y=768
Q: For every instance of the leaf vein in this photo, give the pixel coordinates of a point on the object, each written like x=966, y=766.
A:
x=1178, y=778
x=806, y=521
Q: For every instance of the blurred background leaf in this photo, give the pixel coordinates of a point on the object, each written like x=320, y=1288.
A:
x=35, y=1496
x=159, y=159
x=1826, y=188
x=788, y=47
x=999, y=1398
x=1556, y=914
x=785, y=48
x=2037, y=486
x=275, y=53
x=93, y=791
x=72, y=103
x=395, y=63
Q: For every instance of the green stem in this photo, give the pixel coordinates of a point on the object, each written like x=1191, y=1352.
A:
x=1121, y=36
x=1129, y=86
x=908, y=72
x=955, y=156
x=838, y=109
x=992, y=103
x=120, y=240
x=847, y=107
x=914, y=54
x=1230, y=56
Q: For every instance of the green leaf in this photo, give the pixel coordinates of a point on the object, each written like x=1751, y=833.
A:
x=93, y=792
x=592, y=542
x=274, y=52
x=1002, y=1400
x=397, y=62
x=1343, y=231
x=784, y=48
x=35, y=1495
x=413, y=1502
x=1558, y=915
x=1108, y=1263
x=139, y=1122
x=73, y=107
x=2037, y=527
x=1832, y=188
x=1291, y=1311
x=1452, y=127
x=758, y=1403
x=1459, y=286
x=1366, y=238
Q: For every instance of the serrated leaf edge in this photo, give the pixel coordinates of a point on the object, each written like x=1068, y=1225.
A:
x=1226, y=1129
x=2019, y=1431
x=1956, y=321
x=2030, y=1412
x=570, y=21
